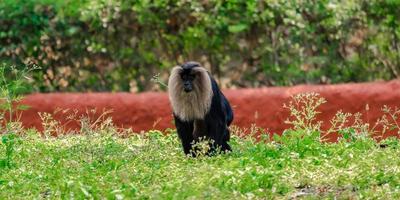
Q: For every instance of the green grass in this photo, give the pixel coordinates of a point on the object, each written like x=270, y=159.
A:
x=153, y=166
x=97, y=163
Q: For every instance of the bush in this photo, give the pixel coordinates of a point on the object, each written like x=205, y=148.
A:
x=99, y=45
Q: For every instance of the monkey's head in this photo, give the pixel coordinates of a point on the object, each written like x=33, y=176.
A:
x=188, y=75
x=190, y=91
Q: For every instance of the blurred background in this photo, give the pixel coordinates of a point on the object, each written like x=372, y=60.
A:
x=119, y=45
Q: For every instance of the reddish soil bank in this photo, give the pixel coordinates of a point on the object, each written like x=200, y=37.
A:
x=260, y=106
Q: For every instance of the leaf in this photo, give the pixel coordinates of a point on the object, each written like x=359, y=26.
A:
x=393, y=127
x=3, y=164
x=4, y=139
x=277, y=138
x=5, y=106
x=237, y=28
x=23, y=107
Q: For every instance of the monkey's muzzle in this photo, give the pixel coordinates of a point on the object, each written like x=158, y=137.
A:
x=187, y=87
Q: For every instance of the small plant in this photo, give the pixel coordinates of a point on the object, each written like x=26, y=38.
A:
x=90, y=122
x=8, y=140
x=202, y=148
x=390, y=119
x=303, y=111
x=156, y=79
x=11, y=90
x=10, y=94
x=254, y=133
x=350, y=126
x=303, y=118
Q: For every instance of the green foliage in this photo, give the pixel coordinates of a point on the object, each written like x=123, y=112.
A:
x=12, y=85
x=154, y=166
x=99, y=45
x=98, y=163
x=9, y=140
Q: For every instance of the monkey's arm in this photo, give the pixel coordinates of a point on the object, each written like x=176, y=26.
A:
x=185, y=131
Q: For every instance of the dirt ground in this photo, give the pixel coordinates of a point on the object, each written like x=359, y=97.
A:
x=262, y=107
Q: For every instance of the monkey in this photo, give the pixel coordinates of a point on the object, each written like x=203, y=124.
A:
x=200, y=109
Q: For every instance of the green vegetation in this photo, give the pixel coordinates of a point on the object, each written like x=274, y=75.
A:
x=152, y=166
x=101, y=45
x=10, y=95
x=12, y=85
x=102, y=161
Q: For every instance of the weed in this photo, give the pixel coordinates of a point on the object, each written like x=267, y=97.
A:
x=10, y=94
x=303, y=111
x=10, y=91
x=390, y=118
x=8, y=140
x=156, y=79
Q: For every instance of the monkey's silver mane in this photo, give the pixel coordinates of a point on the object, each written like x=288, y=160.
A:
x=192, y=105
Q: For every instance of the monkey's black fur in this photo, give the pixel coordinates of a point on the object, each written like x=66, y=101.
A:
x=215, y=123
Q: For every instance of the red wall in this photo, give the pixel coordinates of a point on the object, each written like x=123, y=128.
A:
x=261, y=106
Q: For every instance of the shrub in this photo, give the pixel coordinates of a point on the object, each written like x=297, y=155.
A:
x=98, y=45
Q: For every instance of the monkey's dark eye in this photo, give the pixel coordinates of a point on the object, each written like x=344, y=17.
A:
x=188, y=77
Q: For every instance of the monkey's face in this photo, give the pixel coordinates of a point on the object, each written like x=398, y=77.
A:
x=188, y=77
